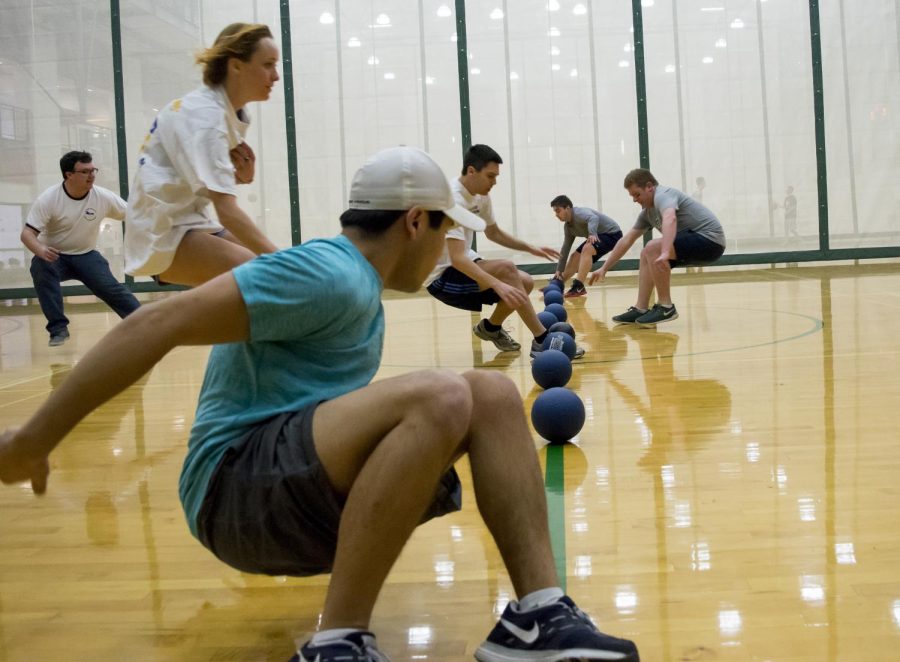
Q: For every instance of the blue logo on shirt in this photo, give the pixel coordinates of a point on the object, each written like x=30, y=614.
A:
x=90, y=214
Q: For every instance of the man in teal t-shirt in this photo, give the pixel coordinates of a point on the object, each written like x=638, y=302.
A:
x=297, y=464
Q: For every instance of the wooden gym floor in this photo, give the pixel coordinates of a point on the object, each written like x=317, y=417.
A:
x=733, y=494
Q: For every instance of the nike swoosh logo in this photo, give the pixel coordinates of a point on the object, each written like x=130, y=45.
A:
x=527, y=636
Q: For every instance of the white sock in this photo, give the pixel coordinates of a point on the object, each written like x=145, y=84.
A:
x=540, y=598
x=667, y=305
x=328, y=636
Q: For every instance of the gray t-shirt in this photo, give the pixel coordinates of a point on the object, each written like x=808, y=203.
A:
x=585, y=222
x=690, y=215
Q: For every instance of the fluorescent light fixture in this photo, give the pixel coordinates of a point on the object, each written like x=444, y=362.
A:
x=579, y=9
x=721, y=43
x=327, y=18
x=444, y=11
x=382, y=19
x=475, y=71
x=670, y=69
x=623, y=63
x=707, y=60
x=373, y=60
x=553, y=5
x=353, y=42
x=737, y=24
x=389, y=75
x=497, y=14
x=513, y=75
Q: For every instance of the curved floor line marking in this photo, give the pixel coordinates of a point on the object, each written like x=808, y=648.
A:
x=817, y=325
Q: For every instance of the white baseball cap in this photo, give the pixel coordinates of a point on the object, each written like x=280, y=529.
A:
x=404, y=177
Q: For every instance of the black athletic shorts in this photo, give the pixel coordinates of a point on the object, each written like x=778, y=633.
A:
x=270, y=508
x=456, y=289
x=604, y=244
x=694, y=250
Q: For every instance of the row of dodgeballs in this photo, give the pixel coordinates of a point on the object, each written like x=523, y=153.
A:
x=558, y=413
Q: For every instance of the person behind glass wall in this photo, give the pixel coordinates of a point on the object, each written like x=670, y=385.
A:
x=61, y=230
x=194, y=155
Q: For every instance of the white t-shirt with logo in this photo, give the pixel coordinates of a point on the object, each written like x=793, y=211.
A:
x=72, y=226
x=185, y=155
x=480, y=205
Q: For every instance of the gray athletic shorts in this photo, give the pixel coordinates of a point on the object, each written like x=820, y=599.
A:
x=270, y=509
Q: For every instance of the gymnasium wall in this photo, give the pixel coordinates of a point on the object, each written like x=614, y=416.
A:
x=726, y=86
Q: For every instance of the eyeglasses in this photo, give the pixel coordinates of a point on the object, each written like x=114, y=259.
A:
x=89, y=171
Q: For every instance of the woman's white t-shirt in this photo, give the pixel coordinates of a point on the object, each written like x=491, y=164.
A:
x=184, y=156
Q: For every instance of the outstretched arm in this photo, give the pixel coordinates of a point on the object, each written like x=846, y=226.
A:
x=500, y=236
x=209, y=314
x=615, y=255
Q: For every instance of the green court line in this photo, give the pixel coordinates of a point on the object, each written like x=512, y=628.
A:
x=556, y=507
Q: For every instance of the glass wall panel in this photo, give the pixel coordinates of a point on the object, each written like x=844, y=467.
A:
x=56, y=95
x=369, y=76
x=550, y=92
x=861, y=67
x=730, y=111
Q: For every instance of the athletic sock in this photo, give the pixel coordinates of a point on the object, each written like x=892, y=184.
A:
x=328, y=636
x=667, y=305
x=491, y=327
x=540, y=598
x=541, y=337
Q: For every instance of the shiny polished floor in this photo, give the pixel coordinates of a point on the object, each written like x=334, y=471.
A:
x=732, y=496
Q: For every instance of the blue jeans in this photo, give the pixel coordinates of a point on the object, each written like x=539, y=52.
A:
x=90, y=268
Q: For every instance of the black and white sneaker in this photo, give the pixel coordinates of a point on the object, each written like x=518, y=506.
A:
x=657, y=315
x=355, y=647
x=630, y=316
x=553, y=633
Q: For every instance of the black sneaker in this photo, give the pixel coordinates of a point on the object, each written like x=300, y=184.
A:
x=575, y=292
x=58, y=338
x=630, y=316
x=355, y=647
x=657, y=315
x=553, y=633
x=501, y=339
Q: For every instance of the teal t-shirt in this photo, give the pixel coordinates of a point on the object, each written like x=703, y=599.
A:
x=316, y=332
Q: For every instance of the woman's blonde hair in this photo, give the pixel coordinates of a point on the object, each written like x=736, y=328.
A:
x=236, y=40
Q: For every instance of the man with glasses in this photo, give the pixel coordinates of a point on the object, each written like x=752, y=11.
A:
x=62, y=230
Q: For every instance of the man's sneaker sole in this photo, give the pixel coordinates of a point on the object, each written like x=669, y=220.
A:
x=575, y=294
x=489, y=652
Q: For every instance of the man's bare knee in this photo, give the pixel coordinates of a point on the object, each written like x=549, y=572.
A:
x=445, y=399
x=507, y=272
x=492, y=391
x=527, y=281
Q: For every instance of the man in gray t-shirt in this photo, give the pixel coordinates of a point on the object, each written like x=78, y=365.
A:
x=691, y=235
x=601, y=234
